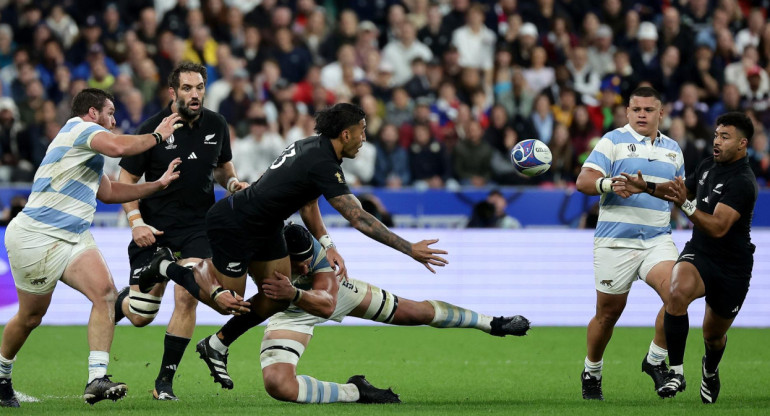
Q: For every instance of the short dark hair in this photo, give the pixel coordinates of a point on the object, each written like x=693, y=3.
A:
x=173, y=77
x=740, y=121
x=87, y=98
x=330, y=122
x=299, y=242
x=645, y=92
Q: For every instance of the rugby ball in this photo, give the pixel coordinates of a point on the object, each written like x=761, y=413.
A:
x=531, y=157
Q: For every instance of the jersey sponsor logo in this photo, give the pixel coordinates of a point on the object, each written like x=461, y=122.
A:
x=703, y=179
x=207, y=139
x=632, y=150
x=192, y=156
x=340, y=178
x=718, y=188
x=170, y=143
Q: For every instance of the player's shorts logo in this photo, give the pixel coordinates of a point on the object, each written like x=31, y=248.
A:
x=234, y=266
x=38, y=281
x=607, y=283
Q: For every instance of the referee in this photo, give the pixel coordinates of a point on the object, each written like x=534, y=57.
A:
x=175, y=218
x=718, y=260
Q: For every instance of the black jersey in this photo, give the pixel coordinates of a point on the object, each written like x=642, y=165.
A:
x=202, y=148
x=304, y=171
x=734, y=185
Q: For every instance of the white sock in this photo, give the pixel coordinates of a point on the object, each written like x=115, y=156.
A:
x=447, y=315
x=656, y=354
x=678, y=369
x=6, y=366
x=164, y=267
x=97, y=364
x=315, y=391
x=594, y=368
x=217, y=345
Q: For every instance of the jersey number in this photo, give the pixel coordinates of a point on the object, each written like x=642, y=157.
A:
x=287, y=153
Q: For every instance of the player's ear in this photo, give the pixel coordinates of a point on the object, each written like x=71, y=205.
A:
x=172, y=93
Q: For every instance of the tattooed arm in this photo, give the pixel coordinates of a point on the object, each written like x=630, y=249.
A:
x=350, y=208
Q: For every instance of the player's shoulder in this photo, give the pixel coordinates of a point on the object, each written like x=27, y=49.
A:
x=153, y=121
x=669, y=143
x=621, y=135
x=214, y=117
x=319, y=262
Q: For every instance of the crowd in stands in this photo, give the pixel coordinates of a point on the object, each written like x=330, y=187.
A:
x=448, y=86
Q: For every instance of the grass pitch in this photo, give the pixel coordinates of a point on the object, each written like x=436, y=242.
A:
x=435, y=371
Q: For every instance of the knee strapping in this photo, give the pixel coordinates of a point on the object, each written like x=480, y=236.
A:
x=275, y=351
x=143, y=304
x=382, y=307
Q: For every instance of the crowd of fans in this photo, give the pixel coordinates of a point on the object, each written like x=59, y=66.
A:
x=448, y=86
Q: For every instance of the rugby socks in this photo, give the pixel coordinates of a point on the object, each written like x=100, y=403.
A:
x=594, y=368
x=182, y=276
x=97, y=364
x=217, y=345
x=173, y=350
x=447, y=315
x=6, y=366
x=656, y=354
x=713, y=357
x=238, y=325
x=676, y=328
x=315, y=391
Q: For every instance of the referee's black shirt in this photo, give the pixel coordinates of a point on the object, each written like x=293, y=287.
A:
x=304, y=171
x=202, y=148
x=734, y=185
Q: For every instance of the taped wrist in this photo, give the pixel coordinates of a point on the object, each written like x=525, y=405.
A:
x=604, y=185
x=219, y=291
x=134, y=218
x=326, y=242
x=158, y=137
x=688, y=208
x=651, y=187
x=231, y=184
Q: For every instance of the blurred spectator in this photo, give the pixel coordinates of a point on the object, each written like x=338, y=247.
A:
x=538, y=75
x=7, y=45
x=764, y=47
x=601, y=52
x=62, y=25
x=673, y=33
x=252, y=51
x=15, y=145
x=601, y=114
x=367, y=42
x=391, y=168
x=705, y=73
x=670, y=75
x=694, y=150
x=289, y=122
x=472, y=157
x=346, y=33
x=751, y=34
x=585, y=80
x=435, y=35
x=542, y=118
x=218, y=90
x=696, y=129
x=174, y=19
x=519, y=100
x=400, y=53
x=293, y=59
x=559, y=41
x=445, y=107
x=374, y=120
x=688, y=97
x=582, y=129
x=470, y=82
x=612, y=15
x=729, y=101
x=725, y=49
x=428, y=161
x=697, y=15
x=619, y=118
x=147, y=80
x=737, y=72
x=315, y=32
x=147, y=30
x=495, y=133
x=256, y=152
x=360, y=170
x=419, y=84
x=562, y=169
x=201, y=48
x=646, y=59
x=64, y=108
x=564, y=108
x=624, y=76
x=331, y=74
x=456, y=16
x=757, y=98
x=759, y=159
x=90, y=34
x=627, y=38
x=491, y=213
x=18, y=202
x=235, y=106
x=524, y=45
x=476, y=43
x=399, y=110
x=396, y=16
x=132, y=112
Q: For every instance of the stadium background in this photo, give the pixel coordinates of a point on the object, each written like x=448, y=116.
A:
x=443, y=112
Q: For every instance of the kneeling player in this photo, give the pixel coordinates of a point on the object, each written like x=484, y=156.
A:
x=316, y=297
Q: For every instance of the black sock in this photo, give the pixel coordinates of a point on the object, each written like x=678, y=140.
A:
x=173, y=350
x=122, y=295
x=238, y=325
x=676, y=328
x=713, y=357
x=184, y=277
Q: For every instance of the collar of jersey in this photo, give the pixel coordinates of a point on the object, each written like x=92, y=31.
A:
x=638, y=136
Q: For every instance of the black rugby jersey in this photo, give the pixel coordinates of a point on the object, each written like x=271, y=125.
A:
x=202, y=148
x=304, y=171
x=734, y=185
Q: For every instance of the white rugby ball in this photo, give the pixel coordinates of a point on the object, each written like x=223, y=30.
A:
x=531, y=157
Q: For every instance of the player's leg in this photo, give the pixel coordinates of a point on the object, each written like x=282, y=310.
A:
x=715, y=339
x=656, y=272
x=139, y=307
x=88, y=274
x=686, y=286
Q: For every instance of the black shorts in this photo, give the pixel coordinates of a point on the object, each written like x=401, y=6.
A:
x=725, y=289
x=235, y=245
x=185, y=243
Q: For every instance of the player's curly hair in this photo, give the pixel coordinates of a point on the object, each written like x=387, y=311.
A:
x=330, y=122
x=740, y=121
x=87, y=98
x=187, y=66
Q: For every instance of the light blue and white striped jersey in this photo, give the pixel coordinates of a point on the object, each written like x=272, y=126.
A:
x=63, y=198
x=641, y=219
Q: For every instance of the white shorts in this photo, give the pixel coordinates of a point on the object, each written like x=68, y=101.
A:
x=38, y=260
x=615, y=269
x=295, y=319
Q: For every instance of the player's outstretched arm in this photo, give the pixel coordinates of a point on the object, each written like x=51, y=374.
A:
x=321, y=300
x=716, y=225
x=635, y=184
x=311, y=216
x=117, y=192
x=142, y=234
x=120, y=145
x=350, y=208
x=592, y=182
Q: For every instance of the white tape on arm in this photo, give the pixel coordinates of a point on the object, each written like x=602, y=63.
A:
x=134, y=218
x=326, y=241
x=230, y=184
x=688, y=208
x=604, y=185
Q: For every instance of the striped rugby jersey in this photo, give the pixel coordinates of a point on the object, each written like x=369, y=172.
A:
x=641, y=219
x=63, y=198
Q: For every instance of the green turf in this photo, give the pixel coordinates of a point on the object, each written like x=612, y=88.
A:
x=435, y=371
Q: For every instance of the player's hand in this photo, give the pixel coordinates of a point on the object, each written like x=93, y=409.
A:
x=238, y=186
x=144, y=235
x=336, y=261
x=426, y=255
x=278, y=287
x=629, y=183
x=677, y=192
x=170, y=175
x=168, y=125
x=230, y=303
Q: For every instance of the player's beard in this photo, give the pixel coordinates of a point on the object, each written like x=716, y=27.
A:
x=186, y=112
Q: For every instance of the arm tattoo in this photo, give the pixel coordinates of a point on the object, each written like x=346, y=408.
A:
x=350, y=208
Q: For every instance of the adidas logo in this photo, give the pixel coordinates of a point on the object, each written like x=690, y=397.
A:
x=192, y=156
